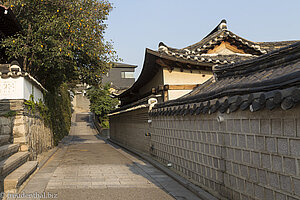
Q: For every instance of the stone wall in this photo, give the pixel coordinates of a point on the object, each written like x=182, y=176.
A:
x=247, y=156
x=129, y=129
x=25, y=128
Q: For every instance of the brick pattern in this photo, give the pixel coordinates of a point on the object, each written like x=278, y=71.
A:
x=129, y=129
x=247, y=156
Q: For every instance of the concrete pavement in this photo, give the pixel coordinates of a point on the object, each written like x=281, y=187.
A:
x=87, y=167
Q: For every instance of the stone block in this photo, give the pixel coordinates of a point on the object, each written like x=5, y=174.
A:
x=244, y=171
x=236, y=195
x=244, y=197
x=20, y=140
x=249, y=188
x=19, y=130
x=232, y=180
x=233, y=140
x=265, y=126
x=276, y=127
x=24, y=148
x=296, y=182
x=269, y=194
x=295, y=147
x=254, y=126
x=277, y=163
x=240, y=184
x=20, y=119
x=250, y=142
x=242, y=141
x=230, y=125
x=271, y=144
x=273, y=180
x=289, y=127
x=280, y=196
x=237, y=125
x=289, y=166
x=259, y=143
x=230, y=154
x=246, y=157
x=282, y=145
x=262, y=176
x=252, y=174
x=6, y=130
x=226, y=180
x=235, y=169
x=245, y=126
x=292, y=198
x=286, y=183
x=259, y=191
x=238, y=155
x=255, y=159
x=227, y=139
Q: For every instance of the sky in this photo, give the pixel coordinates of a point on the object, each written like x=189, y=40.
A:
x=134, y=25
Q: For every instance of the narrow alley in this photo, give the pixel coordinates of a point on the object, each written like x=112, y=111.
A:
x=86, y=166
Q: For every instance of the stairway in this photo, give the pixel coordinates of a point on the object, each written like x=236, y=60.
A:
x=14, y=165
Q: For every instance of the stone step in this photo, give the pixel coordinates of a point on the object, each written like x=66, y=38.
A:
x=11, y=163
x=7, y=150
x=15, y=179
x=4, y=139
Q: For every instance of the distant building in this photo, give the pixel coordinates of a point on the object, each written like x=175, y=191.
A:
x=120, y=76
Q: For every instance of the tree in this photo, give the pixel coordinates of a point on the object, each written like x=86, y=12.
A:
x=62, y=40
x=101, y=103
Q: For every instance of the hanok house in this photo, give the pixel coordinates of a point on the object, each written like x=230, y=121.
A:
x=23, y=134
x=170, y=73
x=235, y=134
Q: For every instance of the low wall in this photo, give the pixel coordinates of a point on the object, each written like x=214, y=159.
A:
x=129, y=129
x=25, y=128
x=247, y=156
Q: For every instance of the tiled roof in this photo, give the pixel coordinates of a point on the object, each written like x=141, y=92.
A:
x=13, y=71
x=198, y=52
x=269, y=81
x=199, y=56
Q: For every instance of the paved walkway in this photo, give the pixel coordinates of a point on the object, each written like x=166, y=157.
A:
x=87, y=167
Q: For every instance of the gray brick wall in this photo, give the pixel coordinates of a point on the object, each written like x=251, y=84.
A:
x=129, y=129
x=247, y=156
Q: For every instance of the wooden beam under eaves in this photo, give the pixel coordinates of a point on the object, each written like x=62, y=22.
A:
x=182, y=87
x=165, y=63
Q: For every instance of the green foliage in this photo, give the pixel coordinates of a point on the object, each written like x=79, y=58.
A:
x=56, y=111
x=101, y=103
x=61, y=40
x=59, y=104
x=31, y=104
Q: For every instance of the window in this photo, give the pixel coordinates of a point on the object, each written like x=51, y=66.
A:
x=127, y=74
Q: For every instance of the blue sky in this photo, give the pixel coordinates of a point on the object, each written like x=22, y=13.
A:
x=134, y=25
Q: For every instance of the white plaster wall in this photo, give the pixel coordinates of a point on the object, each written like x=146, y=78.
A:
x=176, y=77
x=29, y=89
x=174, y=94
x=19, y=88
x=12, y=88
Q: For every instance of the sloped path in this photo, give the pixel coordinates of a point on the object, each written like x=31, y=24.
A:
x=87, y=167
